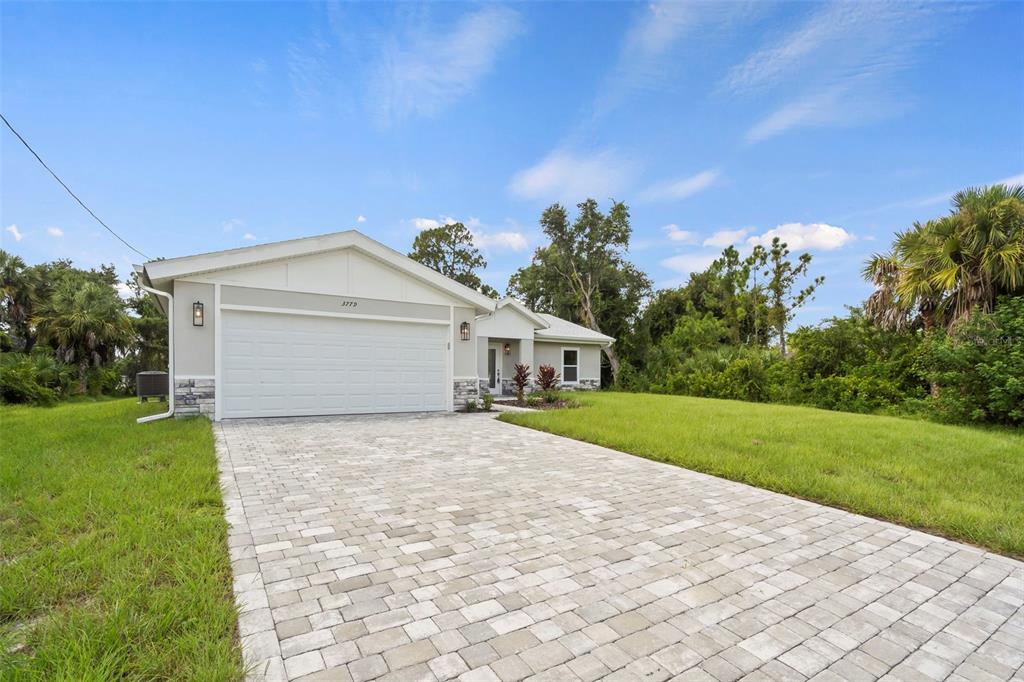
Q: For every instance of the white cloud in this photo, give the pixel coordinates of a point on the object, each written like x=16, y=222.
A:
x=842, y=105
x=681, y=188
x=55, y=232
x=1012, y=180
x=725, y=238
x=230, y=225
x=249, y=236
x=123, y=290
x=799, y=236
x=501, y=241
x=686, y=263
x=568, y=177
x=675, y=234
x=431, y=223
x=361, y=219
x=840, y=62
x=14, y=232
x=650, y=57
x=428, y=70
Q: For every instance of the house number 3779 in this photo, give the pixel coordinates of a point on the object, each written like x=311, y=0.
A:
x=349, y=304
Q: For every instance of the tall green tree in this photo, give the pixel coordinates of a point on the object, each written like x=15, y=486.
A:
x=149, y=325
x=783, y=299
x=941, y=271
x=19, y=296
x=85, y=323
x=583, y=274
x=450, y=250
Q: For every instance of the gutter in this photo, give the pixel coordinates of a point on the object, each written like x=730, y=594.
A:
x=170, y=355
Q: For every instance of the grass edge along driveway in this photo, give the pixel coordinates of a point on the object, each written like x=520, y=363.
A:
x=113, y=552
x=959, y=482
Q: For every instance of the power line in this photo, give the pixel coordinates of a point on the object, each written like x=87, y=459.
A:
x=73, y=195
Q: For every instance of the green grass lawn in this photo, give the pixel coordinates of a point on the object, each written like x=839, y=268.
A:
x=963, y=483
x=113, y=553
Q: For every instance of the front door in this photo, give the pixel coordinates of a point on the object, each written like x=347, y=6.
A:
x=493, y=370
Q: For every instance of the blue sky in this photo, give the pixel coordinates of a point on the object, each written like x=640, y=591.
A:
x=192, y=127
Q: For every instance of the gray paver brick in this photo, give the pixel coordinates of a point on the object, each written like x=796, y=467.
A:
x=454, y=546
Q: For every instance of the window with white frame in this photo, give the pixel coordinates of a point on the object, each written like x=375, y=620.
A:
x=570, y=365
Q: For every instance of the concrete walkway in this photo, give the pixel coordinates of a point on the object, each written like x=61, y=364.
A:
x=454, y=546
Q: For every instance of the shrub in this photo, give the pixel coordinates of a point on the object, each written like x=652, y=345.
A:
x=20, y=382
x=549, y=396
x=470, y=404
x=488, y=401
x=520, y=379
x=547, y=378
x=979, y=367
x=852, y=393
x=533, y=401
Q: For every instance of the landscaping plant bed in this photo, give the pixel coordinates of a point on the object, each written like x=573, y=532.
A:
x=540, y=403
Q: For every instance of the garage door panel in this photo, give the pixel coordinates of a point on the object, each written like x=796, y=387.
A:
x=285, y=365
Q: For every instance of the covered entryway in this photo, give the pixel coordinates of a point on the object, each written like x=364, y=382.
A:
x=282, y=365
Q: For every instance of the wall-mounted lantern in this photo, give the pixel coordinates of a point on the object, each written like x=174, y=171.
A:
x=464, y=331
x=197, y=314
x=508, y=349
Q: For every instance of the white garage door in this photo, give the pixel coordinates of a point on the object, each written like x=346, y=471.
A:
x=278, y=365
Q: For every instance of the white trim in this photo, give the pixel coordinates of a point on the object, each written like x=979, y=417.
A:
x=572, y=339
x=508, y=301
x=188, y=377
x=450, y=373
x=465, y=378
x=498, y=362
x=293, y=290
x=217, y=345
x=561, y=353
x=322, y=313
x=185, y=266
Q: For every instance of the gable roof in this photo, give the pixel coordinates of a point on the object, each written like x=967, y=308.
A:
x=509, y=302
x=163, y=271
x=564, y=330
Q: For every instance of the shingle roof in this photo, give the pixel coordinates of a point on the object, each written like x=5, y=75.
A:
x=564, y=329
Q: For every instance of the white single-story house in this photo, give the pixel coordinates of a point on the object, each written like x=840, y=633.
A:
x=341, y=324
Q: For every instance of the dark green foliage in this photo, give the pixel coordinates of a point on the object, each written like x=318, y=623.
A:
x=979, y=366
x=20, y=382
x=67, y=331
x=449, y=249
x=582, y=275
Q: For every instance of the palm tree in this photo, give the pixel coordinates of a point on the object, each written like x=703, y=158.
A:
x=86, y=324
x=945, y=269
x=18, y=298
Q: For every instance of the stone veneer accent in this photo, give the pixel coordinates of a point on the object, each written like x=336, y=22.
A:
x=194, y=397
x=463, y=389
x=583, y=385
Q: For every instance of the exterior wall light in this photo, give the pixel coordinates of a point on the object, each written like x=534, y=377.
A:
x=464, y=331
x=197, y=314
x=507, y=348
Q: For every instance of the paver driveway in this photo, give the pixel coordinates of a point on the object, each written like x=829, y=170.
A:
x=434, y=547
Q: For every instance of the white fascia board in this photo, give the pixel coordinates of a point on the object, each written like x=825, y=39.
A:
x=162, y=271
x=587, y=340
x=538, y=321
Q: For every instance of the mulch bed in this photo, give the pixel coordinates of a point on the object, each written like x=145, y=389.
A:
x=542, y=405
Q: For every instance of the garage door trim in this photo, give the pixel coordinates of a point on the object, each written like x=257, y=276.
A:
x=218, y=341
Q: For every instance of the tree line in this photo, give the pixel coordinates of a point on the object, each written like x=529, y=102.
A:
x=942, y=334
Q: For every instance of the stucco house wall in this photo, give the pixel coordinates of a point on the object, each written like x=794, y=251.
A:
x=550, y=353
x=333, y=281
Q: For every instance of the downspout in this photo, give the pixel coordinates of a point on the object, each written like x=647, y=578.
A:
x=170, y=355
